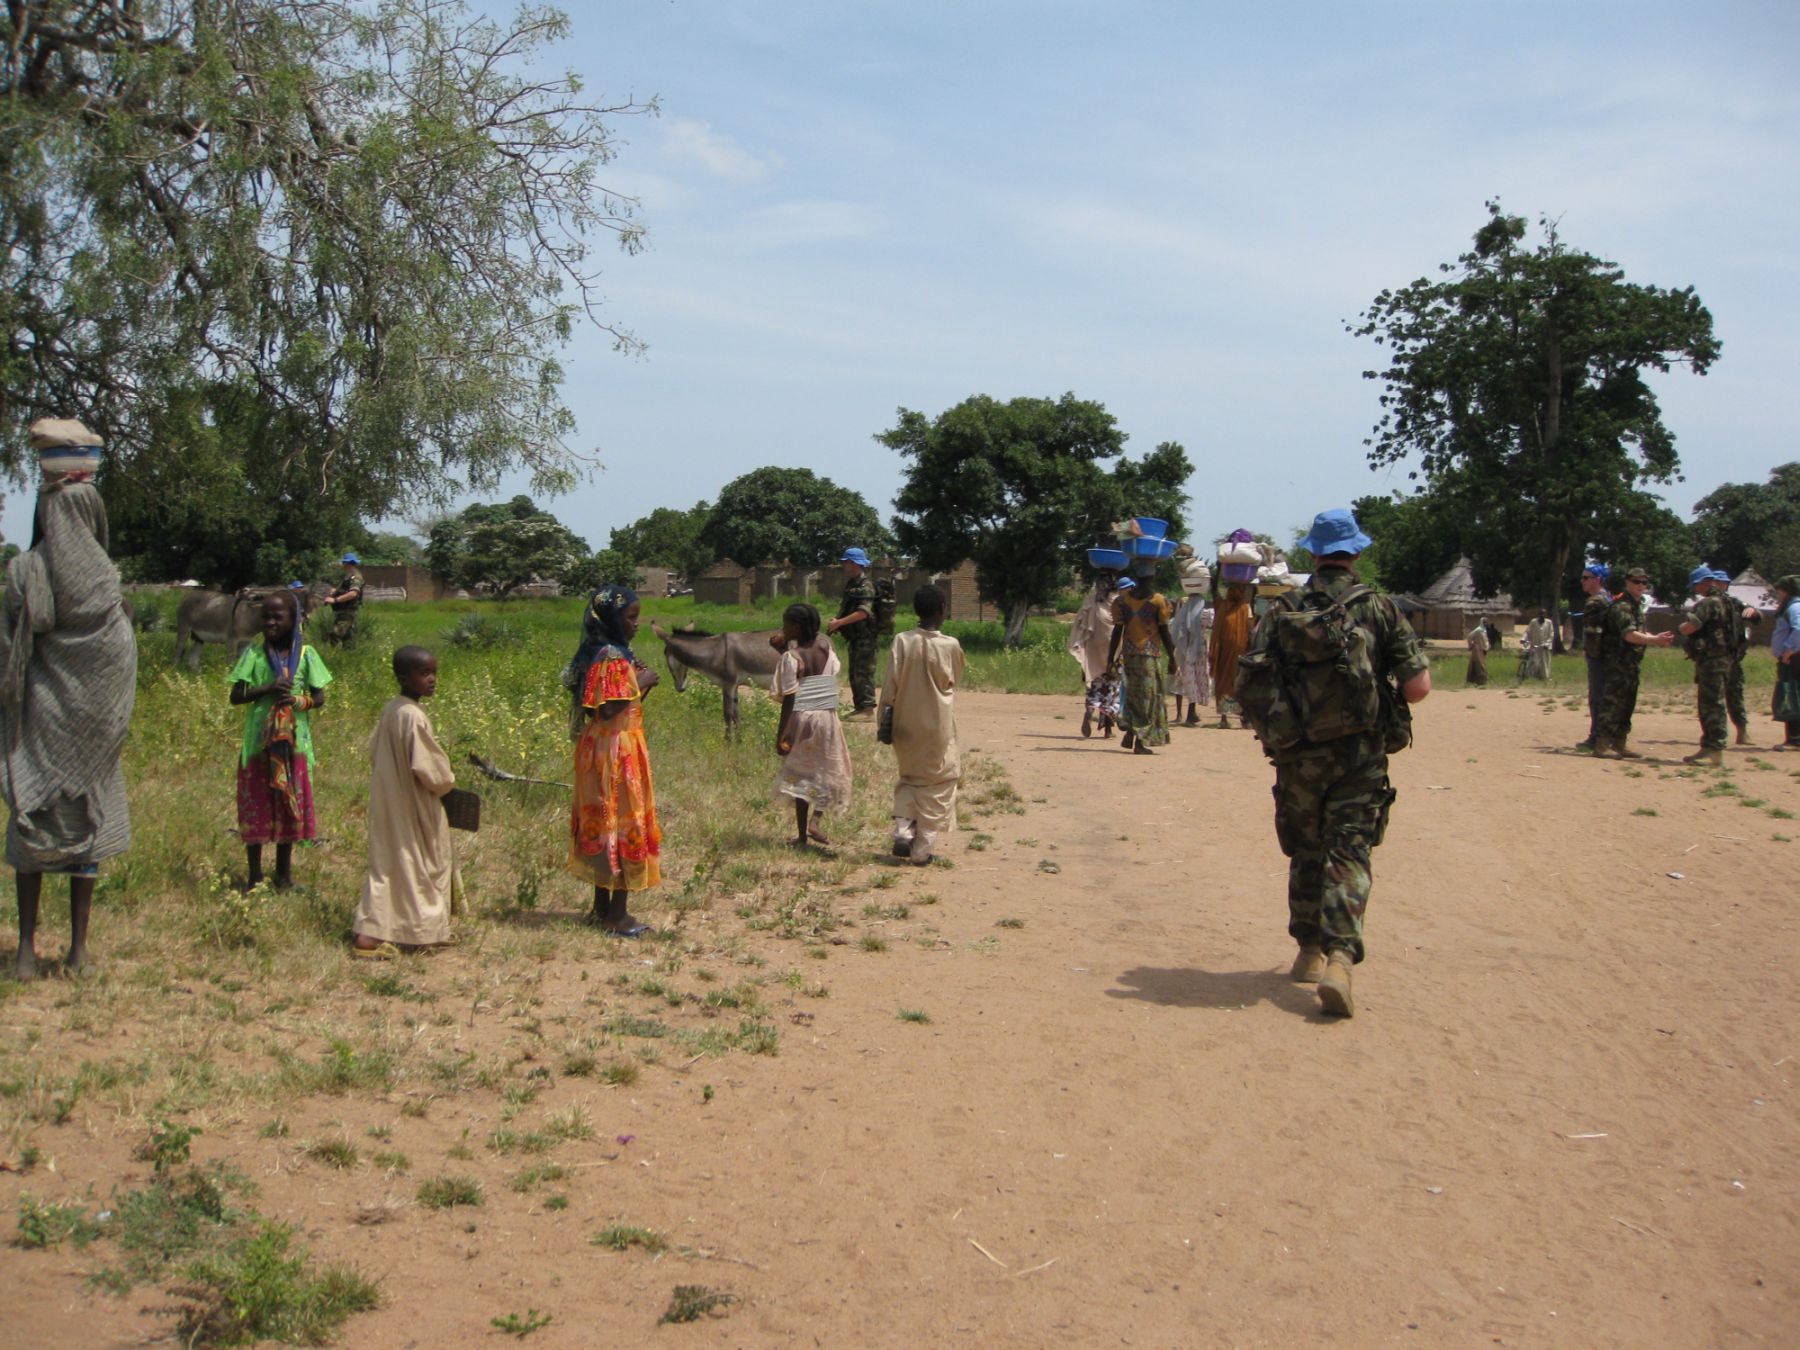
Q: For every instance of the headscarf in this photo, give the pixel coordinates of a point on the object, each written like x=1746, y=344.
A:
x=603, y=626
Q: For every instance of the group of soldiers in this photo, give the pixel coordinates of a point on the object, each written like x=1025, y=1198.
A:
x=1615, y=633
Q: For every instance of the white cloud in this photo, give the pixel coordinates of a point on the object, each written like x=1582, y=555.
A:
x=691, y=139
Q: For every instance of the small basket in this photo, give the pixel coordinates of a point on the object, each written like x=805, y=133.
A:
x=462, y=809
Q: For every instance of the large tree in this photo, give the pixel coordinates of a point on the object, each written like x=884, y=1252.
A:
x=503, y=545
x=791, y=515
x=667, y=537
x=1517, y=380
x=299, y=261
x=1739, y=525
x=1022, y=488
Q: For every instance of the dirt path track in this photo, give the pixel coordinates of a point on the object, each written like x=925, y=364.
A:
x=1564, y=1114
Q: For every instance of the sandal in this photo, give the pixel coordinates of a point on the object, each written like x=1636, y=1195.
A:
x=384, y=951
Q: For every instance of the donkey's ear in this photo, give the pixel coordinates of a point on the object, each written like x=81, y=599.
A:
x=689, y=627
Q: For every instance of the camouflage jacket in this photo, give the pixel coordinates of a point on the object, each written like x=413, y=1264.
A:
x=1625, y=615
x=1593, y=621
x=353, y=581
x=859, y=593
x=1712, y=635
x=1393, y=648
x=1739, y=634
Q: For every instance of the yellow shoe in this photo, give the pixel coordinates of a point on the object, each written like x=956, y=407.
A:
x=1309, y=965
x=1334, y=986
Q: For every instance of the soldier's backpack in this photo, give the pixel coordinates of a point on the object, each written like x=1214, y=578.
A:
x=1314, y=680
x=887, y=604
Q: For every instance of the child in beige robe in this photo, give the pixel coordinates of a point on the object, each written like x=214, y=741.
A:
x=406, y=898
x=924, y=669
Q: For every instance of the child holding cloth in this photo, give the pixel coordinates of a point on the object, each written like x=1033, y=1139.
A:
x=281, y=683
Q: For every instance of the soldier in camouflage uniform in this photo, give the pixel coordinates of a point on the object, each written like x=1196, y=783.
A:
x=1742, y=615
x=1593, y=621
x=857, y=614
x=1623, y=638
x=1332, y=798
x=1706, y=634
x=346, y=600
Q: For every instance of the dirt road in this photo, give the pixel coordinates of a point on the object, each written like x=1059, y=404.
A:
x=1563, y=1115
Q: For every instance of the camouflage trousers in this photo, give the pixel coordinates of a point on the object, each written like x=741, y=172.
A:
x=343, y=627
x=1331, y=810
x=862, y=674
x=1711, y=674
x=1734, y=694
x=1596, y=690
x=1618, y=699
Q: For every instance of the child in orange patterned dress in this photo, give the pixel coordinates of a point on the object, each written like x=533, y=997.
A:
x=615, y=840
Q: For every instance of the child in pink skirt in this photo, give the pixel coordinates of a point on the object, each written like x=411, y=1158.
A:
x=283, y=683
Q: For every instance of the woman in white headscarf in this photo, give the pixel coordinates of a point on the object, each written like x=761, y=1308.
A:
x=68, y=679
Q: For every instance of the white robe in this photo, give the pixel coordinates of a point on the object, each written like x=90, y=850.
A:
x=406, y=898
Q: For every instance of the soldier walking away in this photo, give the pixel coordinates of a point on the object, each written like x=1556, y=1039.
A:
x=856, y=613
x=1354, y=659
x=1706, y=637
x=1593, y=622
x=1742, y=615
x=346, y=600
x=1623, y=638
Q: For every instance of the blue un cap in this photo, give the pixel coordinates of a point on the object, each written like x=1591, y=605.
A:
x=1700, y=574
x=351, y=558
x=855, y=555
x=1335, y=531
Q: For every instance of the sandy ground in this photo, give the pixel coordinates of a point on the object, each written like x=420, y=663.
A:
x=1563, y=1115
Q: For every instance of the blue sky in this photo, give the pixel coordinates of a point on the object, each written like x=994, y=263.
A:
x=1169, y=208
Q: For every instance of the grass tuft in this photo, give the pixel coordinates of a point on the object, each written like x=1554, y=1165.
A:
x=447, y=1192
x=621, y=1237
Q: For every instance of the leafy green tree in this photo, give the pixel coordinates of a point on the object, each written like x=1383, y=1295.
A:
x=667, y=537
x=1414, y=542
x=503, y=545
x=1739, y=525
x=1023, y=488
x=607, y=567
x=792, y=515
x=1517, y=380
x=300, y=262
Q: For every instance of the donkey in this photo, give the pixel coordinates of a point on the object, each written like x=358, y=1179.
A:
x=727, y=659
x=233, y=620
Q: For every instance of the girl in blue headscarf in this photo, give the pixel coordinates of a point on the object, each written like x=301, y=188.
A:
x=615, y=840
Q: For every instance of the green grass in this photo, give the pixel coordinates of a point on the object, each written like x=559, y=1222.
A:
x=448, y=1192
x=918, y=1015
x=622, y=1237
x=691, y=1302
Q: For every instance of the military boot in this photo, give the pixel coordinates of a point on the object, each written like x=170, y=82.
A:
x=1309, y=965
x=1716, y=758
x=1334, y=985
x=1743, y=736
x=1622, y=750
x=1604, y=748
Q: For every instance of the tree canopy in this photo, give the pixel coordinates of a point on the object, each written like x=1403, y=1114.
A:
x=1516, y=387
x=503, y=545
x=792, y=515
x=1022, y=488
x=1739, y=525
x=299, y=262
x=667, y=537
